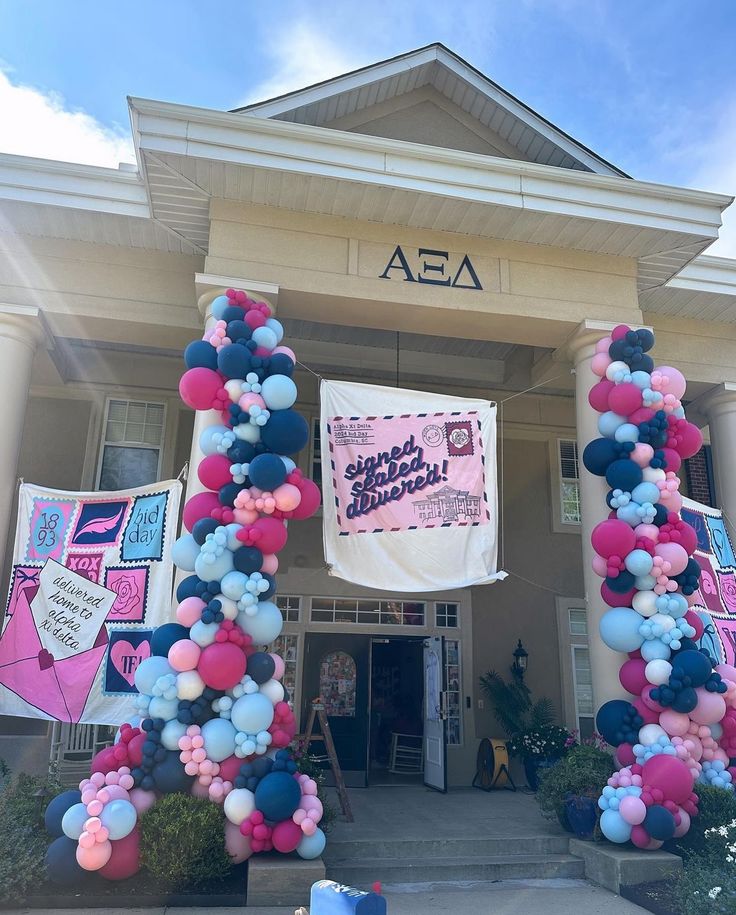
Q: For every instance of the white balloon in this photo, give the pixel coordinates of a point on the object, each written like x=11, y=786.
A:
x=650, y=734
x=658, y=672
x=273, y=690
x=645, y=602
x=652, y=474
x=247, y=432
x=189, y=685
x=234, y=389
x=229, y=607
x=239, y=805
x=614, y=368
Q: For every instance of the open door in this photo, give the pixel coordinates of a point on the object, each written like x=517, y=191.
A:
x=435, y=713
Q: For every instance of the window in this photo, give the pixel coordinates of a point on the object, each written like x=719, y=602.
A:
x=567, y=451
x=290, y=607
x=370, y=612
x=446, y=615
x=454, y=684
x=575, y=666
x=578, y=622
x=131, y=444
x=287, y=647
x=315, y=462
x=583, y=687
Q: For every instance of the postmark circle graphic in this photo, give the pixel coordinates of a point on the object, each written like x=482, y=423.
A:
x=433, y=435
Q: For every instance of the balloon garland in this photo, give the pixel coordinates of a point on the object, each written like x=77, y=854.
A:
x=679, y=729
x=214, y=716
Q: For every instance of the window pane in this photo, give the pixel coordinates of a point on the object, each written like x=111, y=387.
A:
x=453, y=685
x=316, y=468
x=117, y=410
x=152, y=434
x=136, y=412
x=568, y=459
x=578, y=622
x=124, y=468
x=570, y=501
x=115, y=432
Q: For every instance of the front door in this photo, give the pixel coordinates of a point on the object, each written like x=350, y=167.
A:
x=337, y=671
x=435, y=712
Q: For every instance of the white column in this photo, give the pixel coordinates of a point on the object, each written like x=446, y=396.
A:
x=604, y=662
x=719, y=407
x=20, y=331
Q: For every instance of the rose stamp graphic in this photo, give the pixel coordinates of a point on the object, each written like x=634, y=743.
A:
x=131, y=586
x=728, y=589
x=459, y=438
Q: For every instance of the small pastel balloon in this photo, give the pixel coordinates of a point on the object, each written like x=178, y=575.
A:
x=642, y=454
x=184, y=655
x=189, y=611
x=94, y=857
x=279, y=667
x=287, y=351
x=270, y=564
x=287, y=497
x=676, y=724
x=633, y=810
x=603, y=345
x=142, y=800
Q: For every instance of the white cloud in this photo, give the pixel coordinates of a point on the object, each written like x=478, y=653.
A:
x=41, y=124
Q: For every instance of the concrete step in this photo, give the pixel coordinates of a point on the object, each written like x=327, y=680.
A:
x=363, y=873
x=358, y=849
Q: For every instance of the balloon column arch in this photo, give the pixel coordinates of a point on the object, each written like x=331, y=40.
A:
x=214, y=717
x=670, y=736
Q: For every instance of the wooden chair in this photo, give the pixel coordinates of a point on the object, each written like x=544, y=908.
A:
x=407, y=754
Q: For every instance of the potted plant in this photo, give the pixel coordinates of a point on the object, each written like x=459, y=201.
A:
x=539, y=748
x=570, y=789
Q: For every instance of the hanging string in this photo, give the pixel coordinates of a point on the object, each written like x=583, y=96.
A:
x=540, y=385
x=316, y=374
x=184, y=472
x=535, y=584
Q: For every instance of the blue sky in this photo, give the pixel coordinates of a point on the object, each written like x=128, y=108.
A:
x=650, y=86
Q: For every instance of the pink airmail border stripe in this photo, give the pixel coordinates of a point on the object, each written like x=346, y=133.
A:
x=460, y=450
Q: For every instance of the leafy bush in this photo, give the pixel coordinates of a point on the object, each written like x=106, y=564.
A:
x=183, y=841
x=706, y=890
x=716, y=808
x=583, y=772
x=547, y=742
x=23, y=840
x=513, y=705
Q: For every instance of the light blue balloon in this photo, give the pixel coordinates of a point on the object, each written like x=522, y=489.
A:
x=279, y=392
x=265, y=626
x=206, y=439
x=265, y=337
x=645, y=492
x=679, y=413
x=172, y=733
x=645, y=582
x=614, y=827
x=219, y=739
x=641, y=379
x=184, y=552
x=214, y=571
x=312, y=846
x=619, y=629
x=627, y=432
x=252, y=713
x=204, y=633
x=716, y=732
x=639, y=562
x=288, y=463
x=219, y=304
x=608, y=423
x=233, y=584
x=628, y=513
x=277, y=327
x=119, y=818
x=655, y=650
x=232, y=536
x=72, y=823
x=148, y=671
x=166, y=709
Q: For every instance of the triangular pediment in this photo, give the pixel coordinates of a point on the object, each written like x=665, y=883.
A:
x=434, y=97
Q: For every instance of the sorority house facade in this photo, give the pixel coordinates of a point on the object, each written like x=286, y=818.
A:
x=412, y=224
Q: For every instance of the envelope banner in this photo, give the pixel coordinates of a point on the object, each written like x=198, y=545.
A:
x=91, y=580
x=409, y=482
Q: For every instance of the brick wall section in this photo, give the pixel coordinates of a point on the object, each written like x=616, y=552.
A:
x=698, y=478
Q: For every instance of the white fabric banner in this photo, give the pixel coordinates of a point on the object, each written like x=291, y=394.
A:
x=91, y=580
x=409, y=486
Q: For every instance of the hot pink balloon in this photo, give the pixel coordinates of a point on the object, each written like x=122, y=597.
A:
x=272, y=535
x=633, y=810
x=199, y=506
x=230, y=768
x=214, y=471
x=613, y=538
x=598, y=395
x=642, y=415
x=286, y=836
x=673, y=459
x=695, y=621
x=221, y=665
x=199, y=388
x=125, y=858
x=624, y=399
x=632, y=676
x=254, y=319
x=670, y=775
x=625, y=755
x=619, y=332
x=311, y=499
x=692, y=441
x=643, y=704
x=684, y=824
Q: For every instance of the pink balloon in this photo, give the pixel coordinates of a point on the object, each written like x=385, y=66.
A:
x=619, y=332
x=674, y=384
x=647, y=707
x=280, y=667
x=199, y=388
x=311, y=499
x=189, y=611
x=603, y=345
x=600, y=566
x=270, y=564
x=650, y=531
x=632, y=809
x=237, y=845
x=675, y=555
x=125, y=859
x=287, y=497
x=625, y=755
x=692, y=441
x=727, y=672
x=142, y=800
x=199, y=789
x=670, y=775
x=222, y=665
x=614, y=598
x=642, y=454
x=199, y=506
x=230, y=768
x=624, y=399
x=613, y=538
x=286, y=836
x=598, y=395
x=684, y=824
x=184, y=654
x=599, y=363
x=632, y=676
x=676, y=724
x=94, y=857
x=287, y=351
x=642, y=415
x=272, y=535
x=673, y=459
x=214, y=471
x=710, y=709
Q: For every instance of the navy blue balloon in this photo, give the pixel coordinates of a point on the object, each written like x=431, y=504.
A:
x=598, y=454
x=685, y=700
x=622, y=583
x=229, y=492
x=659, y=823
x=261, y=667
x=660, y=517
x=238, y=330
x=164, y=637
x=280, y=364
x=277, y=796
x=618, y=722
x=247, y=559
x=267, y=471
x=694, y=665
x=203, y=527
x=267, y=595
x=234, y=361
x=200, y=354
x=646, y=339
x=169, y=775
x=187, y=587
x=617, y=349
x=56, y=809
x=286, y=432
x=624, y=474
x=645, y=364
x=241, y=452
x=232, y=313
x=61, y=862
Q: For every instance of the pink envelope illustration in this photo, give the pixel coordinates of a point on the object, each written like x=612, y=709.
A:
x=58, y=688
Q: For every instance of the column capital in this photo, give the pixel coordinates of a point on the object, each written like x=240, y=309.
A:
x=23, y=323
x=581, y=342
x=717, y=401
x=209, y=286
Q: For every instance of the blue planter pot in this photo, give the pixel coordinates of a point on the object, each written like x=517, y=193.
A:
x=534, y=767
x=582, y=815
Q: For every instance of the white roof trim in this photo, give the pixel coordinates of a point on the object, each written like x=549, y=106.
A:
x=385, y=70
x=714, y=275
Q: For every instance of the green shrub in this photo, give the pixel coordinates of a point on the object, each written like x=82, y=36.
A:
x=706, y=890
x=583, y=772
x=183, y=841
x=23, y=840
x=716, y=807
